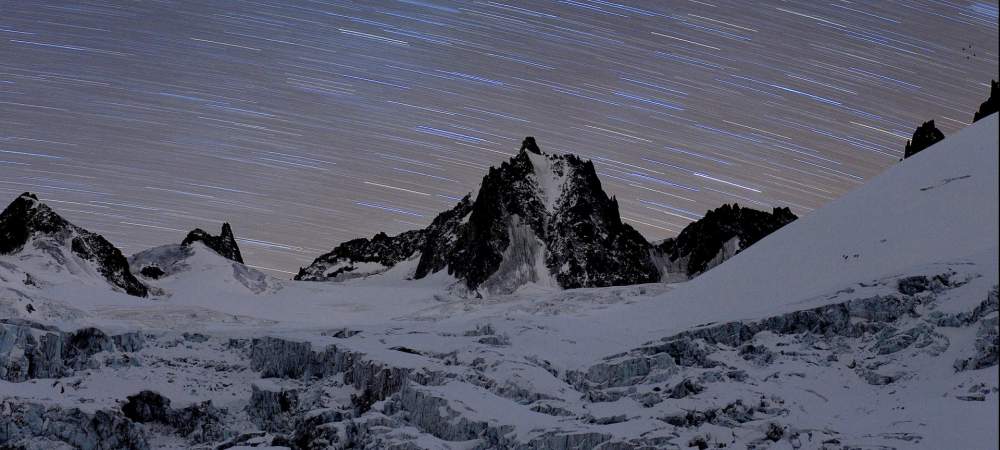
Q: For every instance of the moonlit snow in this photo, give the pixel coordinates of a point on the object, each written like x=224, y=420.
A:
x=870, y=323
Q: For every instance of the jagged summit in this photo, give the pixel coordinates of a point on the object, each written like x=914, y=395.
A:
x=545, y=219
x=24, y=216
x=925, y=136
x=528, y=144
x=991, y=105
x=28, y=225
x=537, y=218
x=224, y=244
x=719, y=235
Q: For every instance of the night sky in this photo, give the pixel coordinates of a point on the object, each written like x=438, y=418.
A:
x=307, y=123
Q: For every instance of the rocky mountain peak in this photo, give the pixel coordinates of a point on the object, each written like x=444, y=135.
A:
x=224, y=244
x=545, y=219
x=925, y=136
x=27, y=218
x=528, y=144
x=537, y=218
x=23, y=217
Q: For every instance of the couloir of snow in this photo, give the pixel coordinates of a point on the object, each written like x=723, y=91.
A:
x=935, y=213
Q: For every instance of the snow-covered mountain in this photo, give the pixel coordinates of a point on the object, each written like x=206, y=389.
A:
x=38, y=243
x=869, y=323
x=539, y=219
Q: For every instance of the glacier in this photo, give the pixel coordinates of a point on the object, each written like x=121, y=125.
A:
x=869, y=323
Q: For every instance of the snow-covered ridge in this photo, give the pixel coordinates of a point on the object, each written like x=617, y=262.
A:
x=38, y=242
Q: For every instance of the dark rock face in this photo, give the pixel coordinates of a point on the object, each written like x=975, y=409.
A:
x=925, y=136
x=439, y=238
x=529, y=145
x=505, y=192
x=535, y=216
x=342, y=262
x=557, y=201
x=26, y=216
x=991, y=105
x=224, y=244
x=589, y=245
x=147, y=406
x=702, y=241
x=200, y=422
x=151, y=272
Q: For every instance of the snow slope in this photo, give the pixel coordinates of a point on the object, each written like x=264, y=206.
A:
x=938, y=206
x=870, y=323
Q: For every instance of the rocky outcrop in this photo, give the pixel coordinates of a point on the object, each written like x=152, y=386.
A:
x=27, y=220
x=363, y=257
x=991, y=105
x=199, y=422
x=720, y=234
x=147, y=406
x=224, y=244
x=986, y=352
x=925, y=136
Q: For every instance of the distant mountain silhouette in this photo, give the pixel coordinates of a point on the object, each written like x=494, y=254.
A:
x=925, y=136
x=991, y=105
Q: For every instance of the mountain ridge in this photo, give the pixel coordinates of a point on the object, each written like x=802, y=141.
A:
x=536, y=219
x=26, y=218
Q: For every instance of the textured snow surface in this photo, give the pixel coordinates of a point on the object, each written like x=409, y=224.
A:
x=549, y=181
x=870, y=323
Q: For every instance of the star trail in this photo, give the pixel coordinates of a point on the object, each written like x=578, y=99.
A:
x=307, y=123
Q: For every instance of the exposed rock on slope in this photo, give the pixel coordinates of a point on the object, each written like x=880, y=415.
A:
x=199, y=423
x=719, y=235
x=925, y=136
x=172, y=266
x=224, y=244
x=28, y=222
x=991, y=105
x=362, y=257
